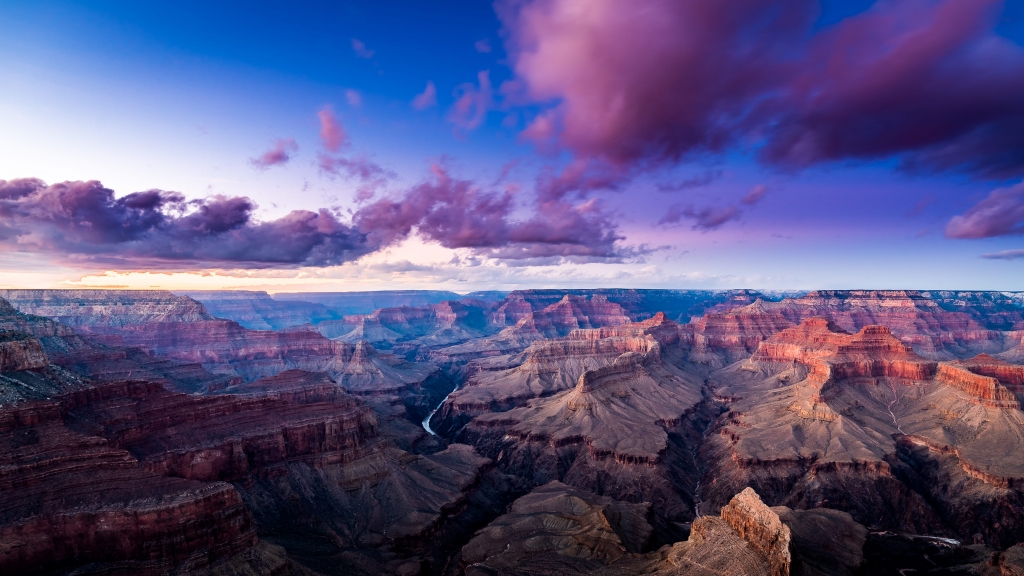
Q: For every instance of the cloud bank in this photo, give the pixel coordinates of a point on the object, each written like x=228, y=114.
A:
x=83, y=222
x=926, y=81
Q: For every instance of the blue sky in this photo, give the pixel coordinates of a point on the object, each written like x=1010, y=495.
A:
x=182, y=97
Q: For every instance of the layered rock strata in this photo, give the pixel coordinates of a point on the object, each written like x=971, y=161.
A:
x=940, y=326
x=818, y=416
x=547, y=367
x=624, y=430
x=71, y=499
x=179, y=328
x=259, y=311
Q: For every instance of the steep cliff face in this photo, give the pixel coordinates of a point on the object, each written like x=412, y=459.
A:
x=19, y=351
x=70, y=360
x=55, y=338
x=71, y=499
x=224, y=437
x=132, y=476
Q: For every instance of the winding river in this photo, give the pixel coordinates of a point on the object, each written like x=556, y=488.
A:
x=426, y=421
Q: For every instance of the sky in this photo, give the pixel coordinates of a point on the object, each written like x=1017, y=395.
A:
x=470, y=145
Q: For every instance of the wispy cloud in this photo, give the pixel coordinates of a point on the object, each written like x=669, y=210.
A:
x=332, y=135
x=472, y=102
x=755, y=195
x=359, y=47
x=354, y=98
x=278, y=155
x=427, y=98
x=1001, y=213
x=1005, y=255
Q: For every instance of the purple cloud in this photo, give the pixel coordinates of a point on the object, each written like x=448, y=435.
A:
x=472, y=102
x=1005, y=255
x=360, y=167
x=354, y=98
x=332, y=135
x=698, y=181
x=459, y=214
x=427, y=98
x=359, y=47
x=706, y=219
x=580, y=177
x=755, y=195
x=83, y=221
x=278, y=155
x=1001, y=213
x=483, y=46
x=927, y=82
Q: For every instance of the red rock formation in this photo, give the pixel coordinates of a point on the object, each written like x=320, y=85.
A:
x=982, y=389
x=70, y=499
x=19, y=351
x=612, y=431
x=915, y=317
x=224, y=437
x=548, y=367
x=761, y=527
x=178, y=328
x=1011, y=376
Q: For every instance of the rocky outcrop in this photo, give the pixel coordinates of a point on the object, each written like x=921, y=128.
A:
x=19, y=351
x=982, y=389
x=761, y=527
x=1010, y=376
x=939, y=328
x=557, y=528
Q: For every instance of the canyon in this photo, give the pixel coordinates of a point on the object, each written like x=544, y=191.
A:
x=532, y=432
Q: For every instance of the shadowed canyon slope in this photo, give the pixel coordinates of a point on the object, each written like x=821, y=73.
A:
x=538, y=432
